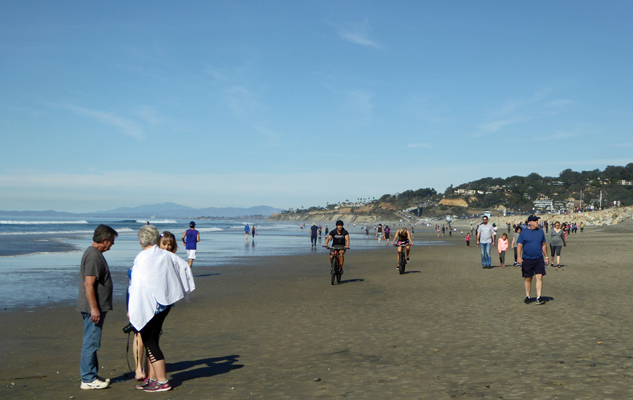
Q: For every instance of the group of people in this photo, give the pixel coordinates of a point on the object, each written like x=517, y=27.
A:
x=530, y=250
x=158, y=279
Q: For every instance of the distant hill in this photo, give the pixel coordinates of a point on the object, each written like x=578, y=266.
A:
x=586, y=189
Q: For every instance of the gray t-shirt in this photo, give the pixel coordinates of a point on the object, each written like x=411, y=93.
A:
x=557, y=238
x=485, y=233
x=94, y=264
x=516, y=239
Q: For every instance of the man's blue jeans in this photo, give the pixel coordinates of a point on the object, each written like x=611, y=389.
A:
x=485, y=254
x=89, y=364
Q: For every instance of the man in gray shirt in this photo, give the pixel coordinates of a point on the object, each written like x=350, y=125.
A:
x=485, y=239
x=94, y=300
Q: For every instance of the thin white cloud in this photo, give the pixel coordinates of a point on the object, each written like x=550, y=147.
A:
x=495, y=126
x=357, y=34
x=418, y=145
x=125, y=125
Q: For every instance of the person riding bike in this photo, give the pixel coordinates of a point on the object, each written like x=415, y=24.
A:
x=403, y=236
x=340, y=237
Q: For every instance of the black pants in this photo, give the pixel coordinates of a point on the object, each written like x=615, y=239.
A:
x=150, y=334
x=313, y=239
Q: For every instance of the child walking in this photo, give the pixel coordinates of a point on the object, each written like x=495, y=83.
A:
x=502, y=245
x=467, y=239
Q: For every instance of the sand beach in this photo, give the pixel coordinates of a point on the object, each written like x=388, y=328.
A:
x=274, y=328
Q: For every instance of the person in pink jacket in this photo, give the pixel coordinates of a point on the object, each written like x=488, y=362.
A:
x=502, y=245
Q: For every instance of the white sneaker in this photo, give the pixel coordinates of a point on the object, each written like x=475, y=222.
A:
x=96, y=384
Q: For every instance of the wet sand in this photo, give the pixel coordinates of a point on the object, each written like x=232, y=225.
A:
x=277, y=329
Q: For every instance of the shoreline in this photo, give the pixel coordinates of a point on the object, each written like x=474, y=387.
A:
x=274, y=327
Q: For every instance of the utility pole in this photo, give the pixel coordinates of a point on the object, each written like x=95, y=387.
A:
x=601, y=199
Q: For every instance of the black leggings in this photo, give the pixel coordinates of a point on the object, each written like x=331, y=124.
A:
x=150, y=334
x=515, y=254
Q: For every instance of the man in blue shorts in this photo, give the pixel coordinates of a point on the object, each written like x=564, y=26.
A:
x=531, y=247
x=191, y=242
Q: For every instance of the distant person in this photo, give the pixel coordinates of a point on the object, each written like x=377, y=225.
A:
x=502, y=246
x=326, y=230
x=443, y=230
x=320, y=231
x=387, y=234
x=531, y=249
x=485, y=239
x=94, y=301
x=247, y=231
x=556, y=243
x=253, y=231
x=467, y=239
x=515, y=242
x=366, y=232
x=582, y=227
x=379, y=233
x=340, y=237
x=314, y=232
x=190, y=239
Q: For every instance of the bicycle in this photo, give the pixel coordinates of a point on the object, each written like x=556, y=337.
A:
x=402, y=256
x=335, y=268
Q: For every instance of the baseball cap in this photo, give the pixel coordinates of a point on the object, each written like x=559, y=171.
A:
x=533, y=218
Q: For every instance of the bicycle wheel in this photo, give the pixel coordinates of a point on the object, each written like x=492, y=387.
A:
x=402, y=262
x=333, y=269
x=338, y=272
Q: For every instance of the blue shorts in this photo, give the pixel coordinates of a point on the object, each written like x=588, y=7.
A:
x=529, y=268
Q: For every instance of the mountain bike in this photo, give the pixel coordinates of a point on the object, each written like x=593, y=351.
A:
x=335, y=268
x=402, y=256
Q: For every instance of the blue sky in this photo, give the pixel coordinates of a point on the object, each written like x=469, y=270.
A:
x=289, y=104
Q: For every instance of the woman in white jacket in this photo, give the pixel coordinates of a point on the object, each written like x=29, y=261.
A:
x=157, y=283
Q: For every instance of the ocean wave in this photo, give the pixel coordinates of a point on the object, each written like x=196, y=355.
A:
x=62, y=233
x=157, y=221
x=210, y=229
x=4, y=222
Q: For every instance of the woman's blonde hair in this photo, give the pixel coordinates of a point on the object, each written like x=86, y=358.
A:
x=402, y=231
x=169, y=238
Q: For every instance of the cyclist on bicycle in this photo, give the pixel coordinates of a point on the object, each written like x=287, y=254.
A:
x=340, y=237
x=403, y=236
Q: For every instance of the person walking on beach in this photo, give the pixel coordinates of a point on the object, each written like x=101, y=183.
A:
x=253, y=231
x=94, y=301
x=531, y=250
x=515, y=242
x=340, y=237
x=247, y=230
x=190, y=239
x=379, y=233
x=467, y=239
x=556, y=243
x=314, y=231
x=485, y=239
x=502, y=246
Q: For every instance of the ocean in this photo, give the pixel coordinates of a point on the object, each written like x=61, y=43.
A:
x=40, y=257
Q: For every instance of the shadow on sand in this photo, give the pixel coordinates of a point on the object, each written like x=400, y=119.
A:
x=203, y=275
x=352, y=281
x=210, y=367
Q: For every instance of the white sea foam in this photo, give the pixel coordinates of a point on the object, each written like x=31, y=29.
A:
x=157, y=221
x=4, y=222
x=62, y=233
x=213, y=229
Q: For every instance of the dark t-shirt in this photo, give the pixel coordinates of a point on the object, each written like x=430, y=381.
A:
x=314, y=229
x=532, y=241
x=338, y=239
x=94, y=264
